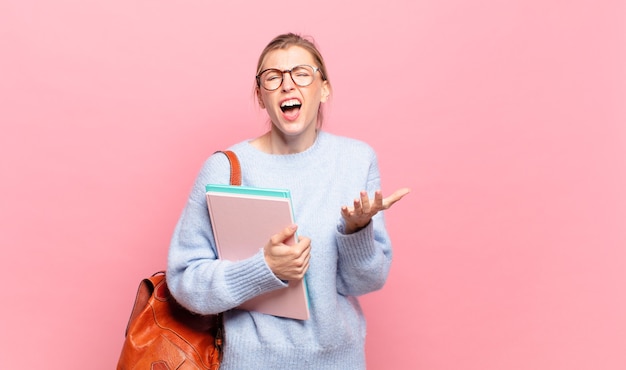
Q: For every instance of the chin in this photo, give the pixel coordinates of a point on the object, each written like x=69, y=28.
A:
x=291, y=127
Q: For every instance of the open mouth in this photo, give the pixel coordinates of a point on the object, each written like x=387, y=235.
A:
x=292, y=106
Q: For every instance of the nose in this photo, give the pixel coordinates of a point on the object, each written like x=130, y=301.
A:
x=288, y=83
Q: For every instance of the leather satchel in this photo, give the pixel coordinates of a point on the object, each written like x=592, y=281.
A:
x=163, y=335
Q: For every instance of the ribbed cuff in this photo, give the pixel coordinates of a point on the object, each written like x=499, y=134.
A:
x=251, y=277
x=357, y=247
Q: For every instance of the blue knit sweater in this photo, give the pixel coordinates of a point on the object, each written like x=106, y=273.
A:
x=321, y=179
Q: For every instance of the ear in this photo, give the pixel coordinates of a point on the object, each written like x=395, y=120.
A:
x=325, y=91
x=259, y=98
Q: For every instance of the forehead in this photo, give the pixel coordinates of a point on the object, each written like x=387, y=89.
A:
x=287, y=58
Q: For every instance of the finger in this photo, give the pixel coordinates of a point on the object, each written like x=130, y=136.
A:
x=396, y=196
x=307, y=262
x=284, y=234
x=378, y=199
x=304, y=257
x=304, y=246
x=345, y=211
x=357, y=206
x=365, y=202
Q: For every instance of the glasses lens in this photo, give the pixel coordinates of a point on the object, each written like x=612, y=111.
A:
x=271, y=79
x=302, y=75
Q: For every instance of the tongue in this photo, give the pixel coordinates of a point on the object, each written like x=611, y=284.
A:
x=291, y=113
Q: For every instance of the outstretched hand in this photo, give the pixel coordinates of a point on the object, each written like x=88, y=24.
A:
x=362, y=211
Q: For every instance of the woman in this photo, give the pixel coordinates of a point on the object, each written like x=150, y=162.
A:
x=343, y=247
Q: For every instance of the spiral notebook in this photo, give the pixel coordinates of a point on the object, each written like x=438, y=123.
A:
x=243, y=220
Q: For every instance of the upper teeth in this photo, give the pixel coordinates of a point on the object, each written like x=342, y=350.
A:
x=290, y=103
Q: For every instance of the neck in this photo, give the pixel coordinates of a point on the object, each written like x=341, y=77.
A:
x=275, y=142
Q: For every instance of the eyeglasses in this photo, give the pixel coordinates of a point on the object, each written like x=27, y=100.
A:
x=271, y=78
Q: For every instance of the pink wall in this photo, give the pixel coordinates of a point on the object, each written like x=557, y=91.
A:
x=507, y=118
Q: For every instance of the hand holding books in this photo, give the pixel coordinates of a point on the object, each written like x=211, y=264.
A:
x=288, y=260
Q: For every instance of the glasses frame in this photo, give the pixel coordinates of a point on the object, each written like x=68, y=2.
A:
x=282, y=76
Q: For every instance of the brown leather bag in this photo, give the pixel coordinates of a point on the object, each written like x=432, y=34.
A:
x=162, y=335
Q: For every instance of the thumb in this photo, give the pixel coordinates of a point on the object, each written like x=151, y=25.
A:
x=285, y=234
x=396, y=196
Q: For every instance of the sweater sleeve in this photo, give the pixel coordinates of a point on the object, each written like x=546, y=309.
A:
x=364, y=256
x=196, y=278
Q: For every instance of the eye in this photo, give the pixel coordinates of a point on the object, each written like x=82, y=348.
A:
x=271, y=75
x=302, y=71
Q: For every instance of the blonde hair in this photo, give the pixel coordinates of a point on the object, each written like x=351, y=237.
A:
x=288, y=40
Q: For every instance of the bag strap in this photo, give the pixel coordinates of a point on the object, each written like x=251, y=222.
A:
x=235, y=179
x=235, y=167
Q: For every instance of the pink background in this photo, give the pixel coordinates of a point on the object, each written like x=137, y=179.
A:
x=506, y=118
